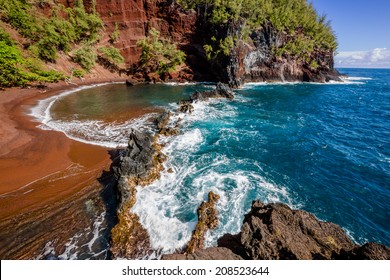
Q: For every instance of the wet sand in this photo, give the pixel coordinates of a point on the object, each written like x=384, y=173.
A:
x=42, y=173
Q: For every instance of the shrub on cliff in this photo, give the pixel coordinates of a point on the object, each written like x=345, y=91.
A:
x=10, y=59
x=159, y=55
x=112, y=55
x=16, y=70
x=85, y=56
x=55, y=32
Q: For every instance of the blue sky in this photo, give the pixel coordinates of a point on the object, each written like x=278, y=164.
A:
x=363, y=31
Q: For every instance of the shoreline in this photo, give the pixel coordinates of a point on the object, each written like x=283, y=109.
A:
x=42, y=172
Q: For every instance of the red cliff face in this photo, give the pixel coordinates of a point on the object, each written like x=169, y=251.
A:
x=135, y=18
x=249, y=61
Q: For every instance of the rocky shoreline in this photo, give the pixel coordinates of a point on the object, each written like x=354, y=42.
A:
x=276, y=232
x=272, y=231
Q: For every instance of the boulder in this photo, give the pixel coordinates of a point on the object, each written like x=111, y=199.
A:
x=276, y=232
x=221, y=91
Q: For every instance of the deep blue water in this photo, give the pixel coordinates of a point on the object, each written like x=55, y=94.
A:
x=324, y=148
x=321, y=148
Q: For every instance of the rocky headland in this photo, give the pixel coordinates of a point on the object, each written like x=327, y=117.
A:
x=270, y=231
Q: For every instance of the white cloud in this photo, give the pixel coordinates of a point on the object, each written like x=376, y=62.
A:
x=376, y=58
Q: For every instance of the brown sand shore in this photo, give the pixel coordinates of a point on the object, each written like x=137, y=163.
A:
x=42, y=173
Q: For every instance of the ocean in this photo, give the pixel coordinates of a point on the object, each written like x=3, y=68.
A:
x=323, y=148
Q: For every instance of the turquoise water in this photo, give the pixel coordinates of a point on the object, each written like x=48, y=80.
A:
x=321, y=148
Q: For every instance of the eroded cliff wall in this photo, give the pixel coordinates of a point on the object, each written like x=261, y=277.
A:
x=135, y=18
x=251, y=60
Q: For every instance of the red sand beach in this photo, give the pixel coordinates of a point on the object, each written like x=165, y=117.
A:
x=41, y=173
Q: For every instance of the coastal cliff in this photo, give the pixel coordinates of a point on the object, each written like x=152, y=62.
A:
x=252, y=59
x=233, y=42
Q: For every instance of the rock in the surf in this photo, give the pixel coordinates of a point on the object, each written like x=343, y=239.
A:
x=141, y=164
x=221, y=91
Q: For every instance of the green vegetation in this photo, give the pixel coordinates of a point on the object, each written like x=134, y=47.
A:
x=112, y=55
x=115, y=34
x=159, y=55
x=15, y=70
x=78, y=73
x=45, y=35
x=48, y=35
x=297, y=21
x=85, y=56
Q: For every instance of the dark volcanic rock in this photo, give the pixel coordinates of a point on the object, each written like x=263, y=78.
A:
x=205, y=254
x=163, y=120
x=186, y=107
x=140, y=165
x=222, y=91
x=369, y=251
x=207, y=219
x=163, y=125
x=274, y=231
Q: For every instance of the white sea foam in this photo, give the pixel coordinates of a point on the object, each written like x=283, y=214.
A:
x=111, y=135
x=344, y=81
x=86, y=243
x=167, y=207
x=180, y=84
x=357, y=78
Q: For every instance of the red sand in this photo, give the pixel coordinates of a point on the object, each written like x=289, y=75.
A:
x=37, y=167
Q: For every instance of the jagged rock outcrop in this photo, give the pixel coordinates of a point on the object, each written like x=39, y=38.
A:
x=207, y=219
x=164, y=127
x=141, y=164
x=221, y=91
x=276, y=232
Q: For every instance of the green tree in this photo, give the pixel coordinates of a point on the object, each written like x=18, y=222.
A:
x=159, y=55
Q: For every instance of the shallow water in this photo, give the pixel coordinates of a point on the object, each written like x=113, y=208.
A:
x=323, y=148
